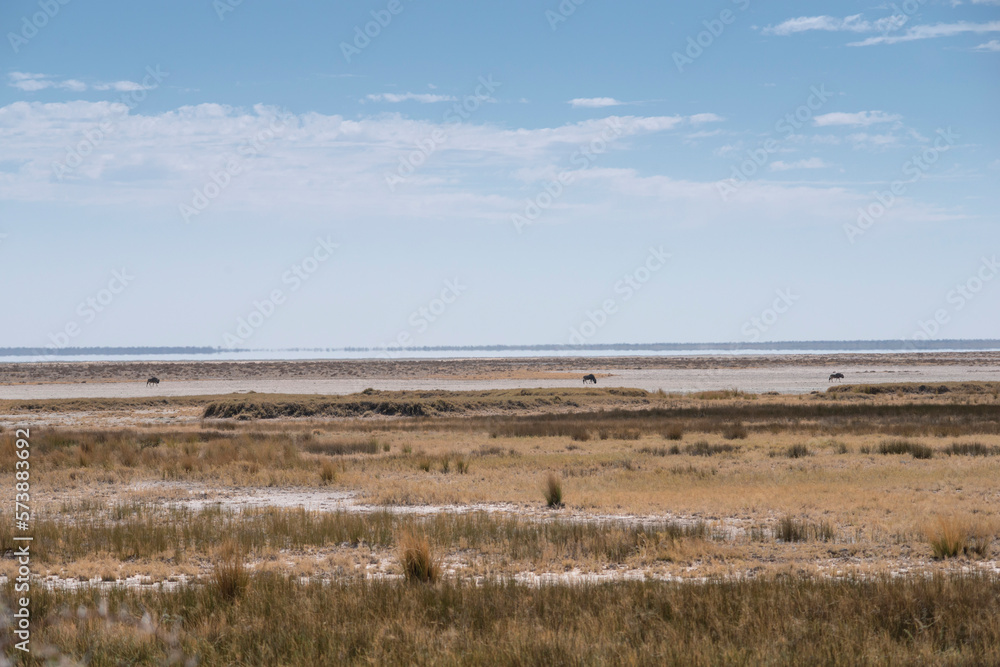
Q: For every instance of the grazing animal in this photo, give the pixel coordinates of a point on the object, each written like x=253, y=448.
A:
x=590, y=378
x=152, y=380
x=836, y=376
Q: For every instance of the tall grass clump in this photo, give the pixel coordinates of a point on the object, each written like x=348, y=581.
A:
x=553, y=491
x=971, y=449
x=673, y=432
x=790, y=529
x=915, y=449
x=327, y=472
x=735, y=431
x=417, y=558
x=950, y=537
x=229, y=574
x=368, y=446
x=797, y=452
x=703, y=448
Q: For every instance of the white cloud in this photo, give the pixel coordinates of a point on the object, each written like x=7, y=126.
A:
x=595, y=102
x=317, y=160
x=992, y=45
x=423, y=98
x=861, y=118
x=932, y=31
x=332, y=167
x=29, y=82
x=810, y=163
x=829, y=23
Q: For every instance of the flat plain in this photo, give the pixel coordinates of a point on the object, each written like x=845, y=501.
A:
x=853, y=523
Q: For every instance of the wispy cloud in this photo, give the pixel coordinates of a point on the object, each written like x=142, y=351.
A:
x=863, y=140
x=853, y=23
x=809, y=163
x=595, y=102
x=932, y=31
x=30, y=82
x=423, y=98
x=992, y=45
x=859, y=119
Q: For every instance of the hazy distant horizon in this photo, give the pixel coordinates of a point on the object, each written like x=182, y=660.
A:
x=139, y=353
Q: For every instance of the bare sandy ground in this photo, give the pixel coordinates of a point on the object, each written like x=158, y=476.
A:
x=780, y=378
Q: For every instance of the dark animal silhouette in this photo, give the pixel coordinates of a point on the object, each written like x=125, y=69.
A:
x=590, y=378
x=152, y=380
x=836, y=376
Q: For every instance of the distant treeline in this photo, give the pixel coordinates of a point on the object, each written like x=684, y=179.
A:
x=109, y=351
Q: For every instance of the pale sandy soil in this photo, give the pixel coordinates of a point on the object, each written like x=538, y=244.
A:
x=780, y=378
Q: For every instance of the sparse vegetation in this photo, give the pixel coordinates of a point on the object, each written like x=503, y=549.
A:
x=746, y=522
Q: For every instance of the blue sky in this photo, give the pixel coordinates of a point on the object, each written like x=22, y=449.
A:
x=269, y=175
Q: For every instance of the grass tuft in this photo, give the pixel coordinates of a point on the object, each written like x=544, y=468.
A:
x=971, y=449
x=417, y=558
x=327, y=472
x=734, y=431
x=674, y=432
x=915, y=449
x=553, y=491
x=952, y=536
x=229, y=573
x=797, y=452
x=703, y=448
